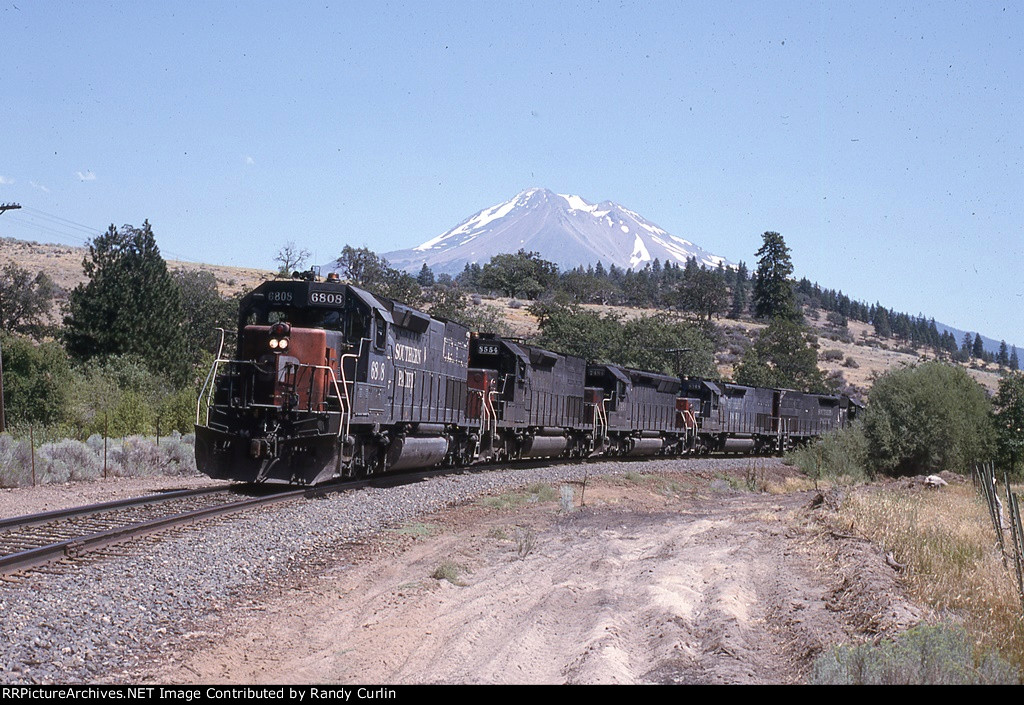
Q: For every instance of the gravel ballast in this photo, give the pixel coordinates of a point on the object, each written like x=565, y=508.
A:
x=98, y=620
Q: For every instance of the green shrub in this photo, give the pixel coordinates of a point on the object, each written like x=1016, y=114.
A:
x=838, y=454
x=141, y=457
x=68, y=460
x=542, y=492
x=36, y=381
x=926, y=418
x=177, y=412
x=15, y=462
x=1009, y=421
x=939, y=654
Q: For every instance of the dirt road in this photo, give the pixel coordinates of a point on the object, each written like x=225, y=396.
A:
x=675, y=579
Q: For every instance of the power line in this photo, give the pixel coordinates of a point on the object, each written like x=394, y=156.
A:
x=62, y=221
x=75, y=239
x=58, y=226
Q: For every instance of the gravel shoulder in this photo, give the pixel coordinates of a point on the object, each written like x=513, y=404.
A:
x=678, y=575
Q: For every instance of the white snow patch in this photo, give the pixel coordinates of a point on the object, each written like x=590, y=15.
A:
x=680, y=253
x=640, y=253
x=434, y=241
x=476, y=222
x=653, y=229
x=578, y=204
x=624, y=229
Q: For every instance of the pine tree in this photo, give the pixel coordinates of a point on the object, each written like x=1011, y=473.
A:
x=978, y=350
x=880, y=319
x=1003, y=358
x=129, y=306
x=773, y=292
x=739, y=294
x=1014, y=361
x=426, y=277
x=966, y=346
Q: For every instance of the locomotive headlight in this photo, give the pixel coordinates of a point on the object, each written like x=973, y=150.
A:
x=283, y=344
x=273, y=343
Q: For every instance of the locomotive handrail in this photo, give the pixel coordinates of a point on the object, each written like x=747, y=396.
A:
x=493, y=412
x=213, y=376
x=483, y=406
x=347, y=420
x=209, y=377
x=342, y=399
x=600, y=419
x=488, y=415
x=689, y=420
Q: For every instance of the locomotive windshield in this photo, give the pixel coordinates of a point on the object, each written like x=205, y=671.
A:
x=354, y=324
x=295, y=303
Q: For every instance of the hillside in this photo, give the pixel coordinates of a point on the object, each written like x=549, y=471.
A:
x=871, y=356
x=63, y=264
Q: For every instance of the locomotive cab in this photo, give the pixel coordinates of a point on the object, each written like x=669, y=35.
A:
x=278, y=408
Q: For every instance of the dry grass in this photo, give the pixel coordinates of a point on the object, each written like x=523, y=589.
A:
x=873, y=356
x=63, y=264
x=450, y=571
x=800, y=483
x=537, y=492
x=946, y=541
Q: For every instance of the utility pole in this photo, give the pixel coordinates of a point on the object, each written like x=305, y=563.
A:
x=677, y=354
x=4, y=207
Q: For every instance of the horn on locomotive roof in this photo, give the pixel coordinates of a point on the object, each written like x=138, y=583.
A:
x=310, y=276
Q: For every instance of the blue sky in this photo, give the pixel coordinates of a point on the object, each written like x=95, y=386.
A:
x=883, y=140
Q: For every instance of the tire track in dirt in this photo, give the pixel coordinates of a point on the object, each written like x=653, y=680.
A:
x=730, y=587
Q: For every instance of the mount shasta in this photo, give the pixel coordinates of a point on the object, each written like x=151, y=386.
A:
x=564, y=229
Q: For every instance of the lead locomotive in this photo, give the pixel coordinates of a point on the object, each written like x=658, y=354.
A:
x=330, y=381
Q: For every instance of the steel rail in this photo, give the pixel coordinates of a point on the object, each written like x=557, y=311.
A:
x=72, y=548
x=26, y=520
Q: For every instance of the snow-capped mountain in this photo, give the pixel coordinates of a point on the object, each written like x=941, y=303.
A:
x=564, y=229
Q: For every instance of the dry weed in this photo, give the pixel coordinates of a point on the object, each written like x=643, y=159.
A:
x=953, y=563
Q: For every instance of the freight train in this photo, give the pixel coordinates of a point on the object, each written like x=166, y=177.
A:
x=329, y=381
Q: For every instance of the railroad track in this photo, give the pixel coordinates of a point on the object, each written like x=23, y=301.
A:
x=35, y=540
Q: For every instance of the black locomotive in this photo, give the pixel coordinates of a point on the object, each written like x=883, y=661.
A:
x=330, y=381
